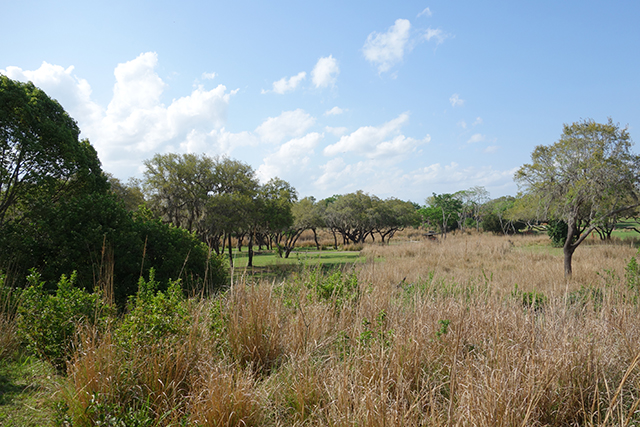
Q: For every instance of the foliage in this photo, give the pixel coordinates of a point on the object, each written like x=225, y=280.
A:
x=41, y=157
x=47, y=322
x=532, y=300
x=442, y=212
x=632, y=276
x=154, y=315
x=586, y=177
x=355, y=216
x=129, y=193
x=491, y=223
x=557, y=230
x=338, y=287
x=77, y=234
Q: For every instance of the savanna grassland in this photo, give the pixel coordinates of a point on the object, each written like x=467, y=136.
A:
x=471, y=330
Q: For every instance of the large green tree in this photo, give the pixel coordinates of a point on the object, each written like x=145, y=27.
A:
x=41, y=156
x=589, y=176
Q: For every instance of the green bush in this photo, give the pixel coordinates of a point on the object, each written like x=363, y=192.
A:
x=491, y=223
x=154, y=315
x=558, y=231
x=47, y=323
x=338, y=287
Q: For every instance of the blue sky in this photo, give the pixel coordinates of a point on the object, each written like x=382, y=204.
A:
x=398, y=99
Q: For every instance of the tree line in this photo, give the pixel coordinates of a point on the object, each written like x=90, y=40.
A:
x=60, y=212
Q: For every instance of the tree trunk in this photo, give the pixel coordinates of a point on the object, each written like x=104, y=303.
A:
x=568, y=254
x=250, y=250
x=230, y=252
x=569, y=247
x=315, y=238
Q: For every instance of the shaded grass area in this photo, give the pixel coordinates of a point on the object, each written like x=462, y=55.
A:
x=267, y=264
x=27, y=392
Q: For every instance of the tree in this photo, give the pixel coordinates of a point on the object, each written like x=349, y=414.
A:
x=307, y=215
x=393, y=215
x=41, y=156
x=130, y=193
x=500, y=218
x=272, y=213
x=352, y=215
x=178, y=187
x=442, y=211
x=586, y=177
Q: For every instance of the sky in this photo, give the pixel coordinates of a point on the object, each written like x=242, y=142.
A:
x=398, y=99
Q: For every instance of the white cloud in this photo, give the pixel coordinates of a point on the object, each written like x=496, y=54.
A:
x=456, y=101
x=387, y=49
x=378, y=142
x=137, y=124
x=337, y=131
x=478, y=121
x=339, y=176
x=208, y=76
x=425, y=12
x=286, y=85
x=436, y=34
x=293, y=155
x=326, y=71
x=288, y=124
x=462, y=124
x=334, y=111
x=59, y=83
x=453, y=177
x=476, y=137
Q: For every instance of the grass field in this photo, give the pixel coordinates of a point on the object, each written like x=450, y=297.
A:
x=472, y=330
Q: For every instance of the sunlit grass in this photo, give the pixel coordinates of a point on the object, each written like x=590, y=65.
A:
x=472, y=330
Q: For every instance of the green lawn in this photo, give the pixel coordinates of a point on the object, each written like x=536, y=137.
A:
x=270, y=258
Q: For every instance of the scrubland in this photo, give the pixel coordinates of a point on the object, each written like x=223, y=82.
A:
x=471, y=330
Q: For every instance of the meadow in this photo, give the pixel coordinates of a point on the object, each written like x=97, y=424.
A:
x=471, y=330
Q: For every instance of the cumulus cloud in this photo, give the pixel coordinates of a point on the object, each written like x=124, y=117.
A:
x=62, y=84
x=334, y=111
x=385, y=50
x=208, y=76
x=383, y=141
x=286, y=85
x=288, y=124
x=136, y=123
x=456, y=101
x=326, y=71
x=293, y=155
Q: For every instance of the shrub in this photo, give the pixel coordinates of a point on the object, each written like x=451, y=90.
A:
x=47, y=322
x=154, y=315
x=558, y=231
x=339, y=286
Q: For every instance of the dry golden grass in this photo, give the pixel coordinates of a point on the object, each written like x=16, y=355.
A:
x=436, y=335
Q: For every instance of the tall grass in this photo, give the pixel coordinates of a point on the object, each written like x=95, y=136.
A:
x=426, y=333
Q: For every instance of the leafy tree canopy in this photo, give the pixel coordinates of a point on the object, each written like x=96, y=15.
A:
x=586, y=177
x=41, y=156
